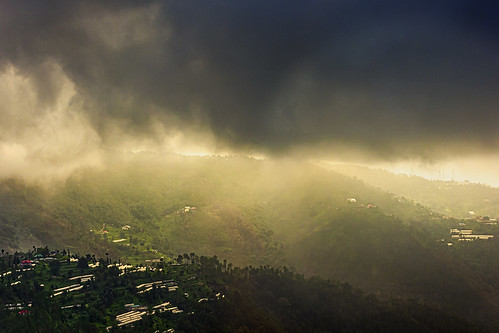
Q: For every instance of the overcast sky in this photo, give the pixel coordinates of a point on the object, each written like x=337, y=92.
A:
x=384, y=81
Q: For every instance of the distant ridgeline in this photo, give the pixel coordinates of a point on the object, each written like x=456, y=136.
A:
x=451, y=198
x=57, y=291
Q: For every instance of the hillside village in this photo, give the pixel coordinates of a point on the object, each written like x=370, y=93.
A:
x=466, y=235
x=459, y=233
x=47, y=291
x=80, y=285
x=463, y=234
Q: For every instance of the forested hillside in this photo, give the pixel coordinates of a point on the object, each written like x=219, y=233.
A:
x=250, y=212
x=47, y=291
x=451, y=198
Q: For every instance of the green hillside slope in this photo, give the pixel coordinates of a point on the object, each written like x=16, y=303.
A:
x=254, y=212
x=452, y=198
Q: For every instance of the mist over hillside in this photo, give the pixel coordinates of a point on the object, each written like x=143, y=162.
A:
x=251, y=212
x=457, y=199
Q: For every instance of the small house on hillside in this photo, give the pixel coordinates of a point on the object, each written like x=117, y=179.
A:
x=26, y=263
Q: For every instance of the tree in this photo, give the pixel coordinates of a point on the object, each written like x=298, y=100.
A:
x=55, y=266
x=82, y=263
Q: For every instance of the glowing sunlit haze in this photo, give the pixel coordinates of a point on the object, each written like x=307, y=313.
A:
x=406, y=86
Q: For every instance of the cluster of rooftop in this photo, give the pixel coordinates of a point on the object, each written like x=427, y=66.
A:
x=466, y=235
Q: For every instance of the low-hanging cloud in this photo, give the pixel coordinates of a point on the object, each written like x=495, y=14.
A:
x=43, y=140
x=394, y=79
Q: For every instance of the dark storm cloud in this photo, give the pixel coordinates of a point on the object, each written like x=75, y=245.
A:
x=388, y=77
